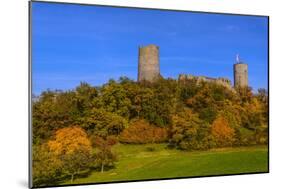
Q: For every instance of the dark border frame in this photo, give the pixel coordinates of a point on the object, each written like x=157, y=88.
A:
x=30, y=184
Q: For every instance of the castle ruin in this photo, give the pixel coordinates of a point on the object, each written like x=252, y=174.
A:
x=148, y=68
x=221, y=80
x=240, y=70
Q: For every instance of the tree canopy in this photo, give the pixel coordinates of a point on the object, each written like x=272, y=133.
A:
x=187, y=115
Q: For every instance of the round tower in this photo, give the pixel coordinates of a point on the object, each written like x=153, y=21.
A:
x=148, y=68
x=240, y=73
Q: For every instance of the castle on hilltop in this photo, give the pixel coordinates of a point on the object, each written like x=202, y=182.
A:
x=149, y=69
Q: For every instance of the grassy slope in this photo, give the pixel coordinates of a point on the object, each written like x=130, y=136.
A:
x=136, y=162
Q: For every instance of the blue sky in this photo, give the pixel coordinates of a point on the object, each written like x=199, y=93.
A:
x=74, y=43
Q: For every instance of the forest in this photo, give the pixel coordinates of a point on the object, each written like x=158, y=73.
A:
x=74, y=132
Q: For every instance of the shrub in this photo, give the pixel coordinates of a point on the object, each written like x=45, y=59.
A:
x=141, y=132
x=150, y=149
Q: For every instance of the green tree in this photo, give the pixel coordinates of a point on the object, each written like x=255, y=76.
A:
x=53, y=111
x=103, y=123
x=158, y=101
x=74, y=163
x=85, y=95
x=46, y=167
x=187, y=89
x=114, y=99
x=208, y=114
x=104, y=157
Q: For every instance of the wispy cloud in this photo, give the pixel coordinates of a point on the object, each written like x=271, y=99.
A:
x=230, y=28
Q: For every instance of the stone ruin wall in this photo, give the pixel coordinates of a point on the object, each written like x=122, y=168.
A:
x=221, y=81
x=149, y=70
x=148, y=67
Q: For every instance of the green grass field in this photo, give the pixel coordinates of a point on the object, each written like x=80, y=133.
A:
x=136, y=162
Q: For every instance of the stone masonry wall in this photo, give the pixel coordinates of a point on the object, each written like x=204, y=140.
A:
x=148, y=67
x=240, y=75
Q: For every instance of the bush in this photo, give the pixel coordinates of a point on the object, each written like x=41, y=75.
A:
x=150, y=149
x=141, y=132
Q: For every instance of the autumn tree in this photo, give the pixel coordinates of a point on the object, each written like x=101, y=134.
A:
x=187, y=108
x=141, y=132
x=189, y=132
x=262, y=97
x=210, y=95
x=74, y=149
x=222, y=133
x=256, y=120
x=245, y=94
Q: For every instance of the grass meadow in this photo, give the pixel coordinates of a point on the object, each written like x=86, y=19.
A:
x=155, y=161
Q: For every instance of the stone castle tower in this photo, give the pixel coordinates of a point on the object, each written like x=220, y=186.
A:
x=148, y=67
x=240, y=73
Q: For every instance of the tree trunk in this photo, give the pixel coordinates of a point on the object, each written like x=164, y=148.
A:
x=72, y=177
x=102, y=167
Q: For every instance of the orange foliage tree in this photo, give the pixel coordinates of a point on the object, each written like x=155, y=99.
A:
x=222, y=133
x=141, y=132
x=73, y=147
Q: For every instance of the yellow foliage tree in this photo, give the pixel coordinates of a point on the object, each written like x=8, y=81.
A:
x=73, y=147
x=68, y=140
x=222, y=133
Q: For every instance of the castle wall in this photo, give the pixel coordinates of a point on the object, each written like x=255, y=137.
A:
x=149, y=70
x=240, y=75
x=148, y=67
x=221, y=81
